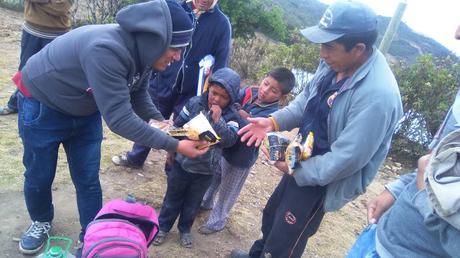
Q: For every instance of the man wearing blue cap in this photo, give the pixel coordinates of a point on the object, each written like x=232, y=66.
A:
x=94, y=71
x=351, y=106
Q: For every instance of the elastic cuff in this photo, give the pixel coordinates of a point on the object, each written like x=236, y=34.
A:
x=276, y=127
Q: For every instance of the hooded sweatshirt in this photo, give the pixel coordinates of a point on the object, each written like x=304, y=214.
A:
x=106, y=68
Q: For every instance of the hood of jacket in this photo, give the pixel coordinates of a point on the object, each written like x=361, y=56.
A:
x=229, y=79
x=151, y=26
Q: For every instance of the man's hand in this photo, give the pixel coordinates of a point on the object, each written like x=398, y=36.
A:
x=255, y=132
x=378, y=206
x=216, y=113
x=192, y=149
x=421, y=166
x=282, y=166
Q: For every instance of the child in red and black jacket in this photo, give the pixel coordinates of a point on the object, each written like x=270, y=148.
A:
x=236, y=161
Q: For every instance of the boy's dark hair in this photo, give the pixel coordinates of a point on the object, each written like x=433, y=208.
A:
x=350, y=40
x=284, y=77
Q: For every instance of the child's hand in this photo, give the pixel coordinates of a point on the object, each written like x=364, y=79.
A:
x=244, y=114
x=216, y=113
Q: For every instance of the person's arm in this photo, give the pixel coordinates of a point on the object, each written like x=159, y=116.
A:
x=227, y=132
x=222, y=47
x=143, y=106
x=106, y=73
x=184, y=115
x=369, y=125
x=380, y=204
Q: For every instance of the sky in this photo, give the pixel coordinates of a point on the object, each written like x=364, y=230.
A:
x=432, y=18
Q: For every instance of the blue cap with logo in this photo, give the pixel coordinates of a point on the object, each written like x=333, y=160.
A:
x=341, y=18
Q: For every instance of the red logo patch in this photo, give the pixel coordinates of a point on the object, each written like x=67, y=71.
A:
x=289, y=218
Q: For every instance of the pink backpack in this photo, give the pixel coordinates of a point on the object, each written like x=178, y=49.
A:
x=121, y=229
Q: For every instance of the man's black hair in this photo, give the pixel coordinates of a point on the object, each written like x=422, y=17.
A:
x=350, y=40
x=284, y=77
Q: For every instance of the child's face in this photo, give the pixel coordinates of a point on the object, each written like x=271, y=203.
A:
x=270, y=90
x=218, y=96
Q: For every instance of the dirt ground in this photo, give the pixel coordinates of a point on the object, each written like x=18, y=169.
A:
x=335, y=236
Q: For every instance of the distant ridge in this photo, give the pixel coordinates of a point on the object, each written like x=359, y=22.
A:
x=407, y=45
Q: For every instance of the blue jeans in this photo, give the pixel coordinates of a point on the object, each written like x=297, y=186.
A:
x=42, y=131
x=30, y=45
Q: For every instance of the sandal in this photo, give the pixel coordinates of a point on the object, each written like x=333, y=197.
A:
x=159, y=238
x=186, y=240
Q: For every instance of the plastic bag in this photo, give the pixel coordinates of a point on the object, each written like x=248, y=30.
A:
x=364, y=246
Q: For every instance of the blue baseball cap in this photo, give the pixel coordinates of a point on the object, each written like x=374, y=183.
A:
x=341, y=18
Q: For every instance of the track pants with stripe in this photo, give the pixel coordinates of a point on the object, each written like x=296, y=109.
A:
x=291, y=216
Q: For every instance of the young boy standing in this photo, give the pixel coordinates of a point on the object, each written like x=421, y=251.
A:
x=189, y=178
x=236, y=162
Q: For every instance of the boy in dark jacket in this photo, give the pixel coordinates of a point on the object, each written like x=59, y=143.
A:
x=237, y=161
x=189, y=178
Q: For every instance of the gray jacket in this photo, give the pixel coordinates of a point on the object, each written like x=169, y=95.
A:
x=361, y=123
x=106, y=68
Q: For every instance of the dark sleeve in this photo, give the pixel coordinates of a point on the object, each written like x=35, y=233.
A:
x=227, y=132
x=184, y=115
x=222, y=46
x=241, y=94
x=143, y=105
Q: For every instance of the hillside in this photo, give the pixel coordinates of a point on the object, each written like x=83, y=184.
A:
x=407, y=45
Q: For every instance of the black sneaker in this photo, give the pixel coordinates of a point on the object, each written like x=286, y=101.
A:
x=34, y=238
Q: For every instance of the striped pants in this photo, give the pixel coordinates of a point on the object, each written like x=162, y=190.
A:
x=228, y=182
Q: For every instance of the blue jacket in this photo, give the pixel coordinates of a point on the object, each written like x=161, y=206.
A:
x=227, y=127
x=240, y=155
x=411, y=228
x=361, y=123
x=212, y=36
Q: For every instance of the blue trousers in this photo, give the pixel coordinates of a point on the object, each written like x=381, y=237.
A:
x=183, y=197
x=42, y=131
x=30, y=45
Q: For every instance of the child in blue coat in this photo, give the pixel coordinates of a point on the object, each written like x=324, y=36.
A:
x=189, y=178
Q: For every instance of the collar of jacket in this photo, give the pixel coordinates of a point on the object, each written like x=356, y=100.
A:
x=362, y=71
